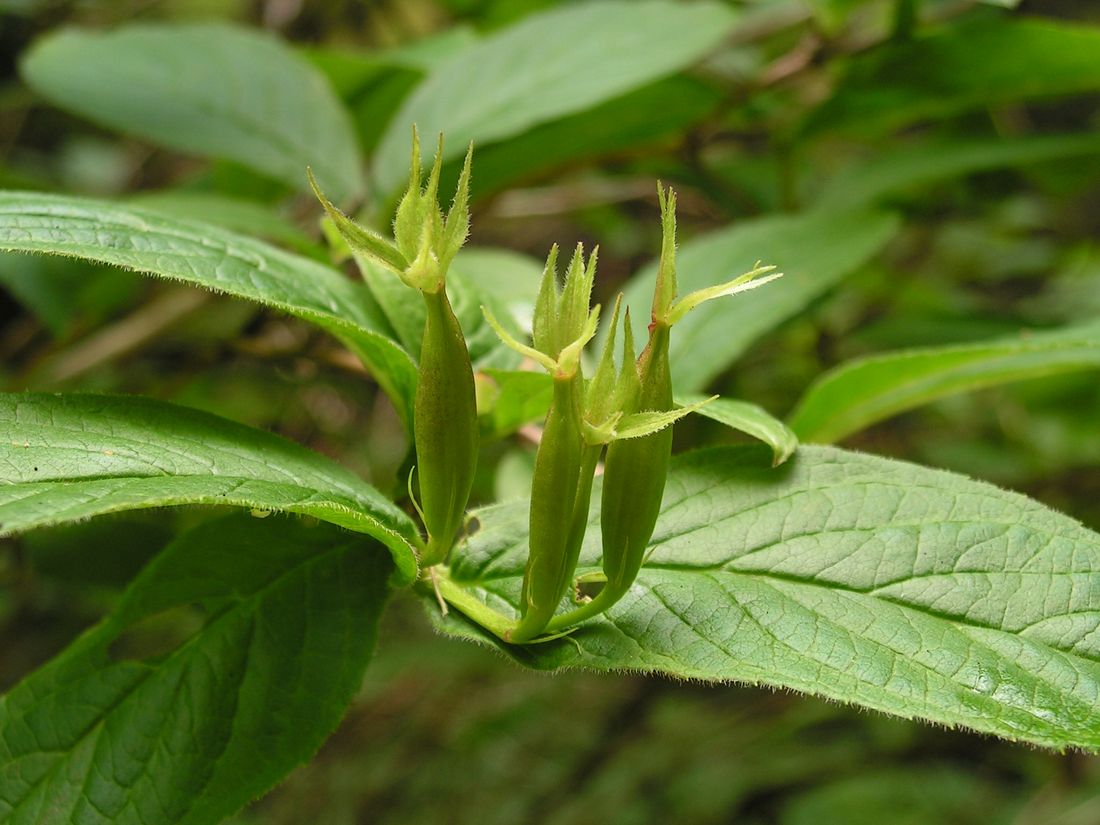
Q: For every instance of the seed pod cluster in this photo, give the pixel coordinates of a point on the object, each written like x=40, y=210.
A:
x=639, y=410
x=445, y=427
x=635, y=468
x=628, y=410
x=561, y=486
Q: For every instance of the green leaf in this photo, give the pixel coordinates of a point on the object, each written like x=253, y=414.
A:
x=236, y=214
x=911, y=591
x=189, y=736
x=373, y=84
x=921, y=793
x=855, y=395
x=750, y=419
x=69, y=457
x=909, y=167
x=961, y=67
x=813, y=252
x=352, y=70
x=657, y=114
x=508, y=278
x=512, y=398
x=209, y=89
x=215, y=259
x=587, y=54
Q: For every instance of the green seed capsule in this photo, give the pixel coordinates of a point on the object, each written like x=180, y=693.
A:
x=565, y=463
x=445, y=426
x=630, y=413
x=636, y=467
x=634, y=476
x=556, y=486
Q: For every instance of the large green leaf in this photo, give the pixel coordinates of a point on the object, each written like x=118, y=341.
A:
x=813, y=251
x=291, y=616
x=907, y=167
x=211, y=89
x=912, y=591
x=545, y=67
x=960, y=67
x=213, y=258
x=857, y=394
x=68, y=457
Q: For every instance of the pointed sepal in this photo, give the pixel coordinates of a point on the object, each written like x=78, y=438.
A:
x=757, y=276
x=509, y=341
x=664, y=293
x=646, y=423
x=360, y=239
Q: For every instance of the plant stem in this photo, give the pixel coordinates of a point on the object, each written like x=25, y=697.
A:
x=470, y=606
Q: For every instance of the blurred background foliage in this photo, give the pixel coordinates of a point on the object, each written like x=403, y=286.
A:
x=930, y=170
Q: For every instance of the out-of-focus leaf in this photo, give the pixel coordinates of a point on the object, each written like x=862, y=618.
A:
x=371, y=88
x=107, y=551
x=917, y=794
x=351, y=70
x=510, y=278
x=832, y=14
x=190, y=736
x=902, y=169
x=586, y=54
x=210, y=89
x=813, y=252
x=855, y=395
x=961, y=67
x=658, y=112
x=513, y=398
x=58, y=292
x=912, y=591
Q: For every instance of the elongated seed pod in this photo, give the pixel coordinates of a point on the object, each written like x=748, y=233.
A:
x=633, y=479
x=555, y=488
x=634, y=476
x=445, y=426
